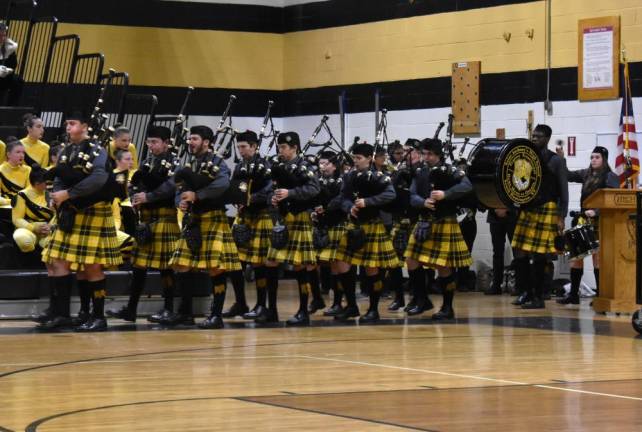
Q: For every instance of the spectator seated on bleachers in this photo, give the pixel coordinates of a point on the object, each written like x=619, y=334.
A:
x=10, y=83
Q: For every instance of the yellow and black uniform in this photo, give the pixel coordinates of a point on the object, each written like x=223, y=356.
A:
x=124, y=218
x=3, y=151
x=298, y=250
x=537, y=227
x=12, y=180
x=376, y=250
x=206, y=241
x=36, y=151
x=252, y=229
x=158, y=231
x=130, y=148
x=85, y=231
x=29, y=213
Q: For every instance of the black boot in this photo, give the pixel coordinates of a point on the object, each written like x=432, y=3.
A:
x=418, y=286
x=448, y=288
x=167, y=281
x=315, y=289
x=185, y=315
x=48, y=313
x=98, y=321
x=539, y=276
x=239, y=308
x=215, y=320
x=128, y=313
x=522, y=280
x=396, y=283
x=270, y=315
x=326, y=279
x=498, y=275
x=573, y=296
x=301, y=318
x=337, y=289
x=348, y=281
x=85, y=294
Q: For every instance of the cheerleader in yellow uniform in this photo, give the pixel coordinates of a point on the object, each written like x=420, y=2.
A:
x=36, y=151
x=123, y=141
x=14, y=174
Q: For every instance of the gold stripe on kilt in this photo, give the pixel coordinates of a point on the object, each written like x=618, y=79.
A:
x=218, y=250
x=376, y=252
x=445, y=247
x=329, y=253
x=261, y=225
x=91, y=241
x=536, y=229
x=299, y=249
x=165, y=234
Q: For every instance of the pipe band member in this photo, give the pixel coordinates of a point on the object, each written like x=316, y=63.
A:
x=597, y=176
x=538, y=225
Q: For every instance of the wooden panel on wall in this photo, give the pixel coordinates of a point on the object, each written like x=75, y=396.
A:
x=599, y=78
x=465, y=97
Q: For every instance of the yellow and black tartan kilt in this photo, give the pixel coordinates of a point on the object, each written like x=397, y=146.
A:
x=445, y=246
x=536, y=229
x=165, y=234
x=126, y=244
x=299, y=250
x=218, y=250
x=376, y=252
x=261, y=225
x=335, y=234
x=92, y=239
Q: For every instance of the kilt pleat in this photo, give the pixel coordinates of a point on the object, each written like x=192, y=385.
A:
x=92, y=240
x=536, y=229
x=299, y=249
x=445, y=246
x=218, y=250
x=165, y=234
x=335, y=234
x=261, y=225
x=376, y=252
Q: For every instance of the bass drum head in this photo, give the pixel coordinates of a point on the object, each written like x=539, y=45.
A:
x=505, y=173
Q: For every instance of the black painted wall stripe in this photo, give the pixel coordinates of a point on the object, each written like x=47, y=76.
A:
x=251, y=18
x=496, y=89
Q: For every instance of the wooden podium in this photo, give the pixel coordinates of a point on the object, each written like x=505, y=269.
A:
x=617, y=249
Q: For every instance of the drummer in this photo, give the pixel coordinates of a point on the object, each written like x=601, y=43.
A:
x=598, y=175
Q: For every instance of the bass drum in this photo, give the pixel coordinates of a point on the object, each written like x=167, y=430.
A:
x=505, y=173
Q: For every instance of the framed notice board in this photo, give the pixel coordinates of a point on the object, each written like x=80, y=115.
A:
x=598, y=60
x=465, y=97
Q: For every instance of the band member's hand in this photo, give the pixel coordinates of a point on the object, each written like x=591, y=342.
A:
x=139, y=198
x=430, y=203
x=281, y=194
x=437, y=195
x=188, y=196
x=560, y=223
x=590, y=213
x=319, y=210
x=502, y=213
x=275, y=201
x=184, y=205
x=42, y=229
x=60, y=197
x=559, y=150
x=354, y=211
x=360, y=203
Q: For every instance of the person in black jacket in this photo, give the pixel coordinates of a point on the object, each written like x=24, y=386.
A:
x=597, y=176
x=10, y=83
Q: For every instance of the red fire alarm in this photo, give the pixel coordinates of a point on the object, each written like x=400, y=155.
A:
x=571, y=146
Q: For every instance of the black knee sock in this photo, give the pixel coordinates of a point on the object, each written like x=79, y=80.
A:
x=326, y=278
x=596, y=273
x=167, y=281
x=430, y=280
x=348, y=282
x=522, y=275
x=62, y=292
x=304, y=290
x=238, y=284
x=538, y=277
x=576, y=278
x=84, y=292
x=184, y=282
x=98, y=289
x=448, y=286
x=261, y=285
x=417, y=281
x=219, y=287
x=337, y=289
x=315, y=288
x=272, y=276
x=375, y=284
x=498, y=273
x=136, y=288
x=395, y=276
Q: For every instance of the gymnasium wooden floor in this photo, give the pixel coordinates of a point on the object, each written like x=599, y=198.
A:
x=495, y=368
